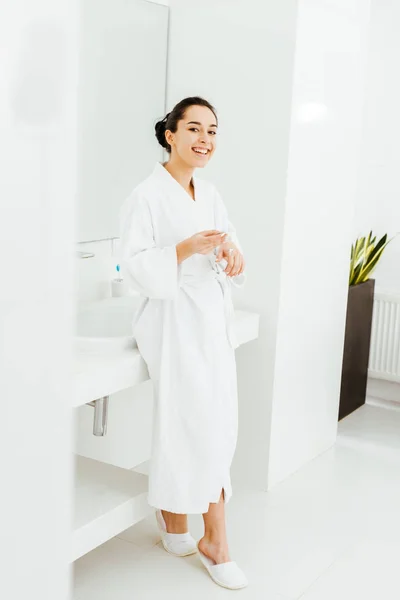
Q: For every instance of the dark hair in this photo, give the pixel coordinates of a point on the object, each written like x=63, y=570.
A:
x=170, y=121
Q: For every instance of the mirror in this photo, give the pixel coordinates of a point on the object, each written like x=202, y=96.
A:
x=121, y=94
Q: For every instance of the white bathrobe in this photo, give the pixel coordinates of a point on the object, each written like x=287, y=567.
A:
x=184, y=332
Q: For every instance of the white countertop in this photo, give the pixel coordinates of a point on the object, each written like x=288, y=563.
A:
x=99, y=374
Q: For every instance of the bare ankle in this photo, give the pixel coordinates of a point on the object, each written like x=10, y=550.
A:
x=218, y=540
x=217, y=549
x=175, y=523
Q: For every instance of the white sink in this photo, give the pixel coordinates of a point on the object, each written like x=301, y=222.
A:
x=107, y=359
x=106, y=325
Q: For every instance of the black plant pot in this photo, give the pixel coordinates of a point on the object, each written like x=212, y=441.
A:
x=357, y=340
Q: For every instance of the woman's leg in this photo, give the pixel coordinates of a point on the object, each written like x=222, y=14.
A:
x=176, y=523
x=214, y=542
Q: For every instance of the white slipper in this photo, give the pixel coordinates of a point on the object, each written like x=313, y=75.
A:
x=228, y=574
x=178, y=544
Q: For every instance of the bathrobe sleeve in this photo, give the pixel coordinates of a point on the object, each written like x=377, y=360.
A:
x=152, y=271
x=224, y=224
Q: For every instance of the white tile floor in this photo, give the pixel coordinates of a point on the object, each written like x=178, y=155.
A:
x=331, y=531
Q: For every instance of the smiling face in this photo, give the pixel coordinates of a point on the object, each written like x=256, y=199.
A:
x=194, y=142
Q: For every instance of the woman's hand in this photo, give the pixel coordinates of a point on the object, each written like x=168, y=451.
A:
x=233, y=256
x=203, y=242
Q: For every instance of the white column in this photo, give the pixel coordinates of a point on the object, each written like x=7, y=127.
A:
x=37, y=191
x=325, y=135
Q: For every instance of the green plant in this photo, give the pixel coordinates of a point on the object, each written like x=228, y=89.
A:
x=365, y=255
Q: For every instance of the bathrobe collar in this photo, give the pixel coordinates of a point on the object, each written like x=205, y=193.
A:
x=170, y=183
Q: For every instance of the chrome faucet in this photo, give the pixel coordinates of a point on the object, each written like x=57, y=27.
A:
x=81, y=254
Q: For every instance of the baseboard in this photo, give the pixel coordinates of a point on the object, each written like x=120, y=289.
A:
x=383, y=393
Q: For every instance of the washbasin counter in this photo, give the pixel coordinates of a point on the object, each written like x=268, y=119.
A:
x=109, y=499
x=106, y=357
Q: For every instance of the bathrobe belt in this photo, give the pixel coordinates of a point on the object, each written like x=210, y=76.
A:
x=217, y=272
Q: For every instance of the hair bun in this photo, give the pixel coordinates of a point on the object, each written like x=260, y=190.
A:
x=160, y=128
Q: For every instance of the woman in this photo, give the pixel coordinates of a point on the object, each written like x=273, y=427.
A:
x=180, y=251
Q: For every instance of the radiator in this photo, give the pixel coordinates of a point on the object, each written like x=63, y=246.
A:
x=384, y=357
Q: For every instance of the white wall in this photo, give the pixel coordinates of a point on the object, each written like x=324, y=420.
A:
x=325, y=136
x=241, y=57
x=378, y=201
x=38, y=78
